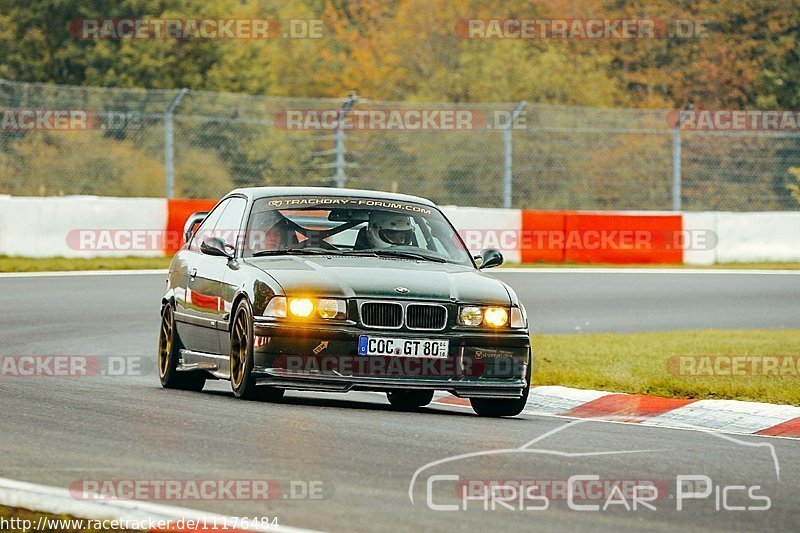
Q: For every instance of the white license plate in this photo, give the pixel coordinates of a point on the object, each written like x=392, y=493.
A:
x=402, y=347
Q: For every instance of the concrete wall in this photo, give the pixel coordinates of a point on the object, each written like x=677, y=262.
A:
x=80, y=226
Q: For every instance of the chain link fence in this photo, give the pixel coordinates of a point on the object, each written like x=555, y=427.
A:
x=64, y=140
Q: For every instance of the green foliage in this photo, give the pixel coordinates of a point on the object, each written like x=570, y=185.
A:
x=81, y=162
x=795, y=187
x=409, y=50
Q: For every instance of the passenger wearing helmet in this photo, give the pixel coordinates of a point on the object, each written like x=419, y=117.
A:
x=389, y=229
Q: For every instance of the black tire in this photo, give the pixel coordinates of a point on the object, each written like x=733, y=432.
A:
x=408, y=400
x=169, y=352
x=241, y=359
x=497, y=407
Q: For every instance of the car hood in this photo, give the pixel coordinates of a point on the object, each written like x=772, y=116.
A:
x=372, y=277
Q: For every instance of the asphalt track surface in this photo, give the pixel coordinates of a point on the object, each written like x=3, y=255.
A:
x=56, y=431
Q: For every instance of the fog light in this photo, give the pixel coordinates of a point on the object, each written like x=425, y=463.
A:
x=331, y=309
x=496, y=316
x=301, y=307
x=470, y=315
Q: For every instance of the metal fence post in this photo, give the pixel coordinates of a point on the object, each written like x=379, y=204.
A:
x=676, y=166
x=340, y=178
x=169, y=142
x=507, y=147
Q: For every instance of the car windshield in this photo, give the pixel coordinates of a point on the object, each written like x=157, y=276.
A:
x=352, y=226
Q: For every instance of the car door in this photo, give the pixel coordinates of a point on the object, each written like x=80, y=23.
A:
x=232, y=231
x=213, y=270
x=197, y=298
x=229, y=229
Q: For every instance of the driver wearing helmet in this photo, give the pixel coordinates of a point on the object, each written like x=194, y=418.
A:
x=389, y=229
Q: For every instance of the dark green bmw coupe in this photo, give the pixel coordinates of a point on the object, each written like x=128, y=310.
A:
x=335, y=290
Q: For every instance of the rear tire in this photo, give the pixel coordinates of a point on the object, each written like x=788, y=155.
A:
x=409, y=400
x=497, y=407
x=169, y=353
x=241, y=359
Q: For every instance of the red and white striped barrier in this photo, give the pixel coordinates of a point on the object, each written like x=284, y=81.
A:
x=85, y=226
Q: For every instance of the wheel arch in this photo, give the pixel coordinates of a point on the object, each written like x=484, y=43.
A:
x=235, y=305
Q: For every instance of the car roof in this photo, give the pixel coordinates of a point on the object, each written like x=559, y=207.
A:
x=268, y=192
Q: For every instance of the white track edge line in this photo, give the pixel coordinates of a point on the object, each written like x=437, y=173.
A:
x=54, y=500
x=75, y=273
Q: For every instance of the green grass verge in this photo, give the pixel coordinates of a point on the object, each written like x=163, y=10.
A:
x=59, y=264
x=638, y=363
x=15, y=519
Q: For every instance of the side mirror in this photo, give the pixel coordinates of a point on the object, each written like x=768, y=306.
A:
x=491, y=258
x=194, y=220
x=216, y=246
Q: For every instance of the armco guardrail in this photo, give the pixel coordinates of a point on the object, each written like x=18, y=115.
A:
x=89, y=226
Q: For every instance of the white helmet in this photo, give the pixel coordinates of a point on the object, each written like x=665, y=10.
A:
x=389, y=229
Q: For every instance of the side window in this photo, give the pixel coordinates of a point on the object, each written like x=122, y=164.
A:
x=230, y=222
x=208, y=225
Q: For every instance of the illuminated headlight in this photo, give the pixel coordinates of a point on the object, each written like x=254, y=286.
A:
x=327, y=308
x=496, y=316
x=476, y=315
x=470, y=315
x=301, y=307
x=519, y=318
x=331, y=309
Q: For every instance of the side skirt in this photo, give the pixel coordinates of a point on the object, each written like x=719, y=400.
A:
x=216, y=365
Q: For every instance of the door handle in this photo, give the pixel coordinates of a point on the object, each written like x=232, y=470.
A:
x=193, y=274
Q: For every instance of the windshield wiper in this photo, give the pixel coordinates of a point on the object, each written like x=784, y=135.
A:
x=398, y=253
x=297, y=251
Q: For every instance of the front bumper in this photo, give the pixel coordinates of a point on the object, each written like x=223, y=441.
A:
x=479, y=364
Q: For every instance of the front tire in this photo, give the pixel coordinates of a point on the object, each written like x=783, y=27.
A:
x=409, y=400
x=497, y=407
x=169, y=350
x=241, y=359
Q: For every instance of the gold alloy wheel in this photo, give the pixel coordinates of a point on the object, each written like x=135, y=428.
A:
x=239, y=348
x=165, y=340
